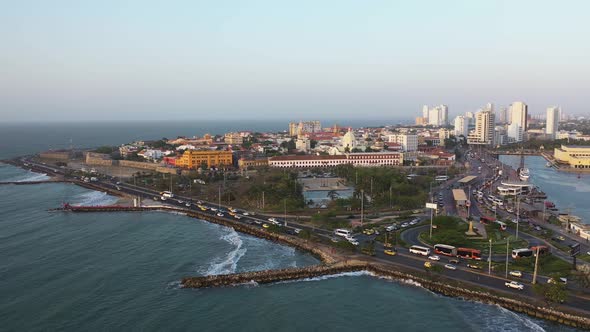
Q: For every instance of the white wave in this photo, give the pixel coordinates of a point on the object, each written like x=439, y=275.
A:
x=328, y=276
x=94, y=198
x=177, y=284
x=29, y=176
x=531, y=325
x=229, y=263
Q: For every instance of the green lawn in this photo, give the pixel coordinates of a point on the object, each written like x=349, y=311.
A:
x=548, y=265
x=451, y=231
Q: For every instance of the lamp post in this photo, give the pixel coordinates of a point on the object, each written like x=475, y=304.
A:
x=490, y=259
x=507, y=250
x=517, y=214
x=362, y=206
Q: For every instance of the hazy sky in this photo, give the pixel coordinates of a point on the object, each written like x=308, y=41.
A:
x=87, y=60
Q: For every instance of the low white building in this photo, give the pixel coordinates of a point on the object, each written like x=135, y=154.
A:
x=355, y=159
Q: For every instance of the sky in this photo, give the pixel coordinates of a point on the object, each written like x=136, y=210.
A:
x=271, y=59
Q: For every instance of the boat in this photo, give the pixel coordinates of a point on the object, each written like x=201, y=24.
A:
x=548, y=164
x=524, y=174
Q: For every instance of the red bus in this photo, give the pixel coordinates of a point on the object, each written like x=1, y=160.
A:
x=542, y=250
x=469, y=253
x=445, y=249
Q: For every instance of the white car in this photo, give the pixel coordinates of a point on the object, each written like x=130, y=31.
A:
x=514, y=285
x=219, y=214
x=450, y=267
x=237, y=217
x=213, y=209
x=246, y=213
x=434, y=258
x=405, y=224
x=516, y=274
x=413, y=222
x=273, y=220
x=354, y=242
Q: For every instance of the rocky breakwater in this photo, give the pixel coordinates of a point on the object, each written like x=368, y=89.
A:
x=517, y=304
x=270, y=276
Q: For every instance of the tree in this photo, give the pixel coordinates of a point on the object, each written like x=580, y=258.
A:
x=333, y=194
x=313, y=143
x=554, y=292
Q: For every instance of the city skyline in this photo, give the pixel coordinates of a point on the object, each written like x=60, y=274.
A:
x=275, y=61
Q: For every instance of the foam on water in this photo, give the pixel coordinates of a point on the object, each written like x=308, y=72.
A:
x=228, y=263
x=29, y=176
x=326, y=277
x=93, y=198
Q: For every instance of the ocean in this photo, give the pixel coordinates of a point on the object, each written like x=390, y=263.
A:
x=121, y=271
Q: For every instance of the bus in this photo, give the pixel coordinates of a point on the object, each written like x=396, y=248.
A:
x=418, y=250
x=522, y=253
x=441, y=178
x=444, y=249
x=342, y=232
x=469, y=253
x=542, y=250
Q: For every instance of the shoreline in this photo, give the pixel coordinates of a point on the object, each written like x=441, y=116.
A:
x=331, y=260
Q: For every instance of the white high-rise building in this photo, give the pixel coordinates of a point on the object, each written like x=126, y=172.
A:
x=515, y=132
x=425, y=112
x=461, y=126
x=434, y=117
x=519, y=114
x=484, y=129
x=443, y=113
x=552, y=123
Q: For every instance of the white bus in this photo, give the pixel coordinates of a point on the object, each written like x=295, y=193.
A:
x=418, y=250
x=441, y=178
x=343, y=232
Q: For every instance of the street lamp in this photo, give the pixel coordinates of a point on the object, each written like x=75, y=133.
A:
x=490, y=259
x=507, y=250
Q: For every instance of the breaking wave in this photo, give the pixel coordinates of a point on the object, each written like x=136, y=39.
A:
x=29, y=176
x=228, y=263
x=94, y=198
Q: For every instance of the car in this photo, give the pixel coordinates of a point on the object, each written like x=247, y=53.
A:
x=413, y=222
x=233, y=210
x=514, y=285
x=391, y=228
x=562, y=280
x=246, y=213
x=516, y=274
x=389, y=252
x=427, y=264
x=213, y=209
x=187, y=204
x=404, y=225
x=237, y=216
x=434, y=258
x=450, y=267
x=265, y=225
x=272, y=219
x=219, y=214
x=473, y=266
x=368, y=231
x=354, y=242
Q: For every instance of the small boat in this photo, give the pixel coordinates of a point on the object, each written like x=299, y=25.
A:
x=548, y=164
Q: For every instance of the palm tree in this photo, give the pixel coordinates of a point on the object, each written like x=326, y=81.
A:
x=333, y=194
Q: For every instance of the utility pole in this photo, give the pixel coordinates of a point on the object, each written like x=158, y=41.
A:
x=536, y=266
x=219, y=198
x=285, y=215
x=371, y=186
x=490, y=259
x=263, y=201
x=517, y=215
x=507, y=250
x=390, y=201
x=431, y=223
x=544, y=208
x=362, y=205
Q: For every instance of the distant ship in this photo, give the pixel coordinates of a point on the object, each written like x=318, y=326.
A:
x=524, y=174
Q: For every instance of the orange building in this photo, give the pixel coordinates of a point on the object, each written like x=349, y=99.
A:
x=195, y=159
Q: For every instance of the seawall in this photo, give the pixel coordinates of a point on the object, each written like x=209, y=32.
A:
x=516, y=304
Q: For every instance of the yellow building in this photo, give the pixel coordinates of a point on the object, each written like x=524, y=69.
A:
x=574, y=155
x=195, y=159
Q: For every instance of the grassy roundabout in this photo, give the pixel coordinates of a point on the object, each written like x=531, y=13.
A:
x=451, y=231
